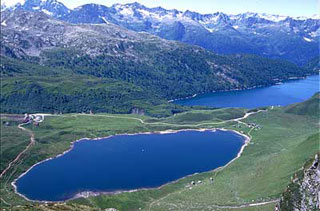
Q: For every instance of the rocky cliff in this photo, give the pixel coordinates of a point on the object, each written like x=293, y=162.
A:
x=303, y=194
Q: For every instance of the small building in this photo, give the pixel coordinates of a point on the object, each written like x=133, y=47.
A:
x=38, y=118
x=137, y=111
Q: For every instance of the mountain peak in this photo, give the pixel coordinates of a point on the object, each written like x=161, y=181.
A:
x=135, y=4
x=224, y=33
x=50, y=7
x=91, y=5
x=11, y=3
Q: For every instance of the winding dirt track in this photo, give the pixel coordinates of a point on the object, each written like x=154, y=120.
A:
x=32, y=141
x=178, y=125
x=245, y=205
x=212, y=206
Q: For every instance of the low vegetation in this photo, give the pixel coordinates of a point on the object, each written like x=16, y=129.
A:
x=311, y=107
x=302, y=193
x=313, y=64
x=54, y=67
x=30, y=88
x=284, y=142
x=10, y=147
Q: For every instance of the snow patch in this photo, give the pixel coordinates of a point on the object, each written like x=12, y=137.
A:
x=317, y=17
x=215, y=19
x=160, y=17
x=127, y=11
x=307, y=39
x=144, y=13
x=11, y=3
x=105, y=20
x=300, y=18
x=315, y=33
x=269, y=17
x=46, y=12
x=208, y=29
x=273, y=18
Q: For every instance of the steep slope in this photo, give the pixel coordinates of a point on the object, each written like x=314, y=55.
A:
x=303, y=192
x=273, y=36
x=32, y=88
x=51, y=7
x=314, y=64
x=309, y=107
x=162, y=69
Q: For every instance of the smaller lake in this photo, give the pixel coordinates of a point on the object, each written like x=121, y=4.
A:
x=128, y=162
x=290, y=92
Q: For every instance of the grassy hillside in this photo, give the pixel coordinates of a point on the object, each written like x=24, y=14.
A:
x=94, y=84
x=313, y=64
x=309, y=107
x=282, y=145
x=250, y=179
x=297, y=195
x=10, y=147
x=28, y=87
x=53, y=66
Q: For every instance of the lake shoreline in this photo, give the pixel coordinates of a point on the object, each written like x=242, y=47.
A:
x=277, y=82
x=87, y=194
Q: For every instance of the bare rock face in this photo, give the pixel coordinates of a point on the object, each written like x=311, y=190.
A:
x=303, y=194
x=273, y=36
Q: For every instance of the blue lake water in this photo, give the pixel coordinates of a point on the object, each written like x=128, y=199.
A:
x=290, y=92
x=127, y=162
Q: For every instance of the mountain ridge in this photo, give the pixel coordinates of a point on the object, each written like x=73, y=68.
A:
x=266, y=16
x=159, y=68
x=272, y=36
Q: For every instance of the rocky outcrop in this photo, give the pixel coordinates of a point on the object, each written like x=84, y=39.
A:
x=270, y=36
x=303, y=194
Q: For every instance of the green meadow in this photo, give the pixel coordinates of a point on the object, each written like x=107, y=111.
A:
x=286, y=139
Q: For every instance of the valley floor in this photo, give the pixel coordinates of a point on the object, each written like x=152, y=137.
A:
x=281, y=142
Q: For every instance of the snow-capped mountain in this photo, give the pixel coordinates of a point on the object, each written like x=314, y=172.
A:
x=274, y=36
x=11, y=4
x=50, y=7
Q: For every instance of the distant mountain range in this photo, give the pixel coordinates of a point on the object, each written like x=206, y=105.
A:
x=273, y=36
x=48, y=65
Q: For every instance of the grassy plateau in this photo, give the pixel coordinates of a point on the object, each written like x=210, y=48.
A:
x=288, y=137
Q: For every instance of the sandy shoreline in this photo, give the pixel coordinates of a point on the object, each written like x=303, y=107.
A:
x=87, y=194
